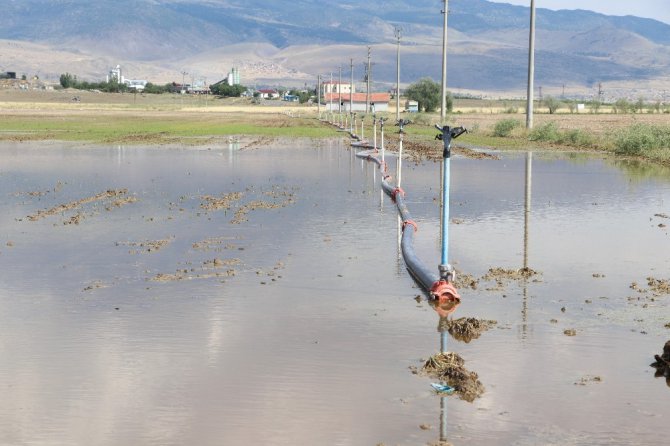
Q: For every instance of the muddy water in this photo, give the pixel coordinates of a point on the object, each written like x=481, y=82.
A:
x=284, y=315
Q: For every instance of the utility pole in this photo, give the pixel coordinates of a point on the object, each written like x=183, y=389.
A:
x=531, y=67
x=367, y=88
x=182, y=90
x=600, y=92
x=397, y=33
x=318, y=94
x=339, y=92
x=443, y=112
x=331, y=95
x=351, y=97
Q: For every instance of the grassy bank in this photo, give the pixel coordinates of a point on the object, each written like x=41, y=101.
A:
x=155, y=127
x=110, y=119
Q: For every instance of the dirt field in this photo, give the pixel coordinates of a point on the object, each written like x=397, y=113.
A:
x=42, y=114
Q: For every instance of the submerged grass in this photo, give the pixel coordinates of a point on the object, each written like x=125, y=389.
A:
x=156, y=127
x=166, y=125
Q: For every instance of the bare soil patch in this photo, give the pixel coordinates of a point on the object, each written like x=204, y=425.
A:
x=120, y=196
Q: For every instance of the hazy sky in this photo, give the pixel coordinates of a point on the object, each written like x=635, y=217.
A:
x=655, y=9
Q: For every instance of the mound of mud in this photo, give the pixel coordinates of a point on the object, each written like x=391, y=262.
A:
x=466, y=328
x=449, y=367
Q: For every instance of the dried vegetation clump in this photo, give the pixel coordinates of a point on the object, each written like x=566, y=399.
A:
x=146, y=246
x=120, y=196
x=662, y=364
x=468, y=328
x=450, y=367
x=211, y=203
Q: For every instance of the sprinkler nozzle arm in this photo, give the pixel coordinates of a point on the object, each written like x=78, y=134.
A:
x=458, y=131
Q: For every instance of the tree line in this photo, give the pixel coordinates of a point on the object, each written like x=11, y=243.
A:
x=222, y=88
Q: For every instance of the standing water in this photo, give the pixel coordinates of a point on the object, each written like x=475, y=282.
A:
x=227, y=296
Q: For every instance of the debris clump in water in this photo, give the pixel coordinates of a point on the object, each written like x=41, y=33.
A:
x=662, y=364
x=449, y=367
x=467, y=328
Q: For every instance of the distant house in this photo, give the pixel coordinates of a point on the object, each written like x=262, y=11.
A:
x=336, y=87
x=379, y=102
x=8, y=75
x=268, y=94
x=291, y=98
x=137, y=84
x=412, y=106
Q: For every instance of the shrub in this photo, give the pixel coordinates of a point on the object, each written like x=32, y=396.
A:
x=504, y=127
x=552, y=104
x=576, y=138
x=546, y=132
x=423, y=119
x=640, y=139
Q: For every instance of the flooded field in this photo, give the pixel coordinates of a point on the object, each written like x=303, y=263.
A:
x=254, y=294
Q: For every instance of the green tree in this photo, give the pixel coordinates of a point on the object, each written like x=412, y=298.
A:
x=639, y=105
x=227, y=91
x=156, y=89
x=622, y=106
x=67, y=80
x=427, y=93
x=552, y=104
x=595, y=106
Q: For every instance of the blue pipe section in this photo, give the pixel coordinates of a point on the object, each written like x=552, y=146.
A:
x=422, y=274
x=446, y=171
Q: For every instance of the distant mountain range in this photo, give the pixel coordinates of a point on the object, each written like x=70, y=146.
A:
x=275, y=42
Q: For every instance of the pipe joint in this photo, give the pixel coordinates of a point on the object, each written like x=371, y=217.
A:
x=409, y=223
x=445, y=292
x=447, y=272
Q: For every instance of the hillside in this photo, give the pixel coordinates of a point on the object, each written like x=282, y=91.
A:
x=273, y=42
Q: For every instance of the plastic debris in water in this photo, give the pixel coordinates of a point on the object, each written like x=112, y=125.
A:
x=443, y=388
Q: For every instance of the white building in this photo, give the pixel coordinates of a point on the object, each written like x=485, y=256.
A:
x=336, y=87
x=115, y=74
x=137, y=84
x=379, y=102
x=234, y=77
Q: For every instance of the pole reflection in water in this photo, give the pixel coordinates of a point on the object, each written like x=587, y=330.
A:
x=526, y=229
x=120, y=154
x=443, y=310
x=233, y=146
x=529, y=172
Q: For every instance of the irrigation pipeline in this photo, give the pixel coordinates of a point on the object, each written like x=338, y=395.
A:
x=439, y=285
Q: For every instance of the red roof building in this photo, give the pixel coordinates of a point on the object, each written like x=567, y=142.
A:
x=379, y=102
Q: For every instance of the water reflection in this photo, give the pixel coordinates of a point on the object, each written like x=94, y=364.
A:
x=526, y=237
x=90, y=346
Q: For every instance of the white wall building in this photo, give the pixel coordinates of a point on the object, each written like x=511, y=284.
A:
x=234, y=77
x=137, y=84
x=336, y=87
x=115, y=74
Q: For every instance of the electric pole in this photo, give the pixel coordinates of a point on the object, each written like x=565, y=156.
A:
x=351, y=97
x=339, y=92
x=531, y=67
x=368, y=75
x=397, y=33
x=318, y=94
x=443, y=112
